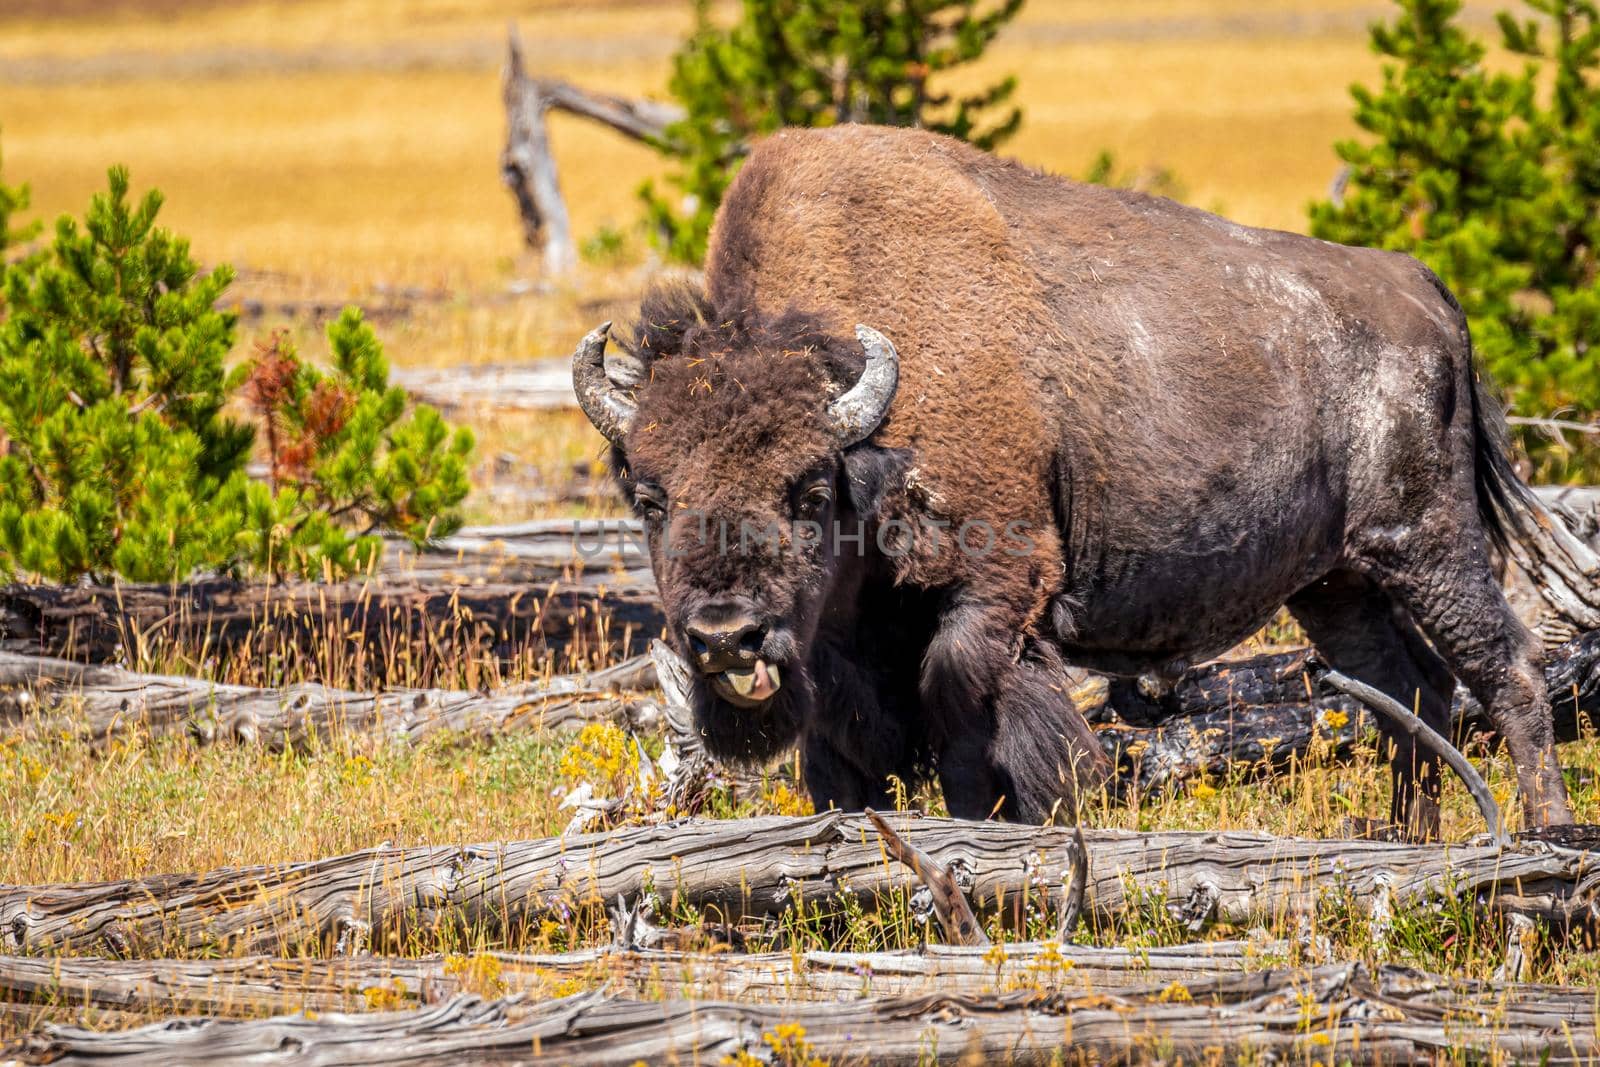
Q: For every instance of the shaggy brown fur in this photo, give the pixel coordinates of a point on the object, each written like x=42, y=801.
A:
x=1195, y=422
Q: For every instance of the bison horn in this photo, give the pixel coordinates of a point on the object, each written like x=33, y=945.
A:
x=606, y=405
x=857, y=413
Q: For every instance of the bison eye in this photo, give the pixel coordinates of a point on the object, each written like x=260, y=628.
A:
x=812, y=501
x=649, y=501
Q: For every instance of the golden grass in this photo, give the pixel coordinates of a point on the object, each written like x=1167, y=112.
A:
x=345, y=178
x=349, y=179
x=359, y=175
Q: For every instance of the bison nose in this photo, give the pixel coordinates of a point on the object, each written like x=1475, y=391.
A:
x=722, y=641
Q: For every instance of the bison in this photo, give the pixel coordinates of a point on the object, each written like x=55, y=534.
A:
x=1080, y=426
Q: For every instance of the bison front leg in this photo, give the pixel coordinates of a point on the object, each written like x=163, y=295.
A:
x=837, y=782
x=1007, y=737
x=856, y=738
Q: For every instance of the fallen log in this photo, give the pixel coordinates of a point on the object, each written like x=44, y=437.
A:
x=1338, y=1013
x=761, y=867
x=1578, y=506
x=574, y=551
x=543, y=385
x=258, y=985
x=43, y=697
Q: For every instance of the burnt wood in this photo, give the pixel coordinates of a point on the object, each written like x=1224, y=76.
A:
x=425, y=623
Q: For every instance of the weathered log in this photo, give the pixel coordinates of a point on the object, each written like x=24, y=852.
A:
x=528, y=165
x=756, y=868
x=1338, y=1013
x=1578, y=506
x=575, y=551
x=544, y=385
x=260, y=985
x=52, y=697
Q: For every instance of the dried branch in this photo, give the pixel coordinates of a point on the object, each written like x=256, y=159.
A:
x=1429, y=738
x=960, y=926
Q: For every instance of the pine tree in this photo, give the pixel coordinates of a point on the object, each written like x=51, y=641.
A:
x=117, y=456
x=111, y=397
x=13, y=200
x=1493, y=181
x=343, y=454
x=817, y=63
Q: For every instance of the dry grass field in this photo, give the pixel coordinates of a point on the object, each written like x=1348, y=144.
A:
x=348, y=149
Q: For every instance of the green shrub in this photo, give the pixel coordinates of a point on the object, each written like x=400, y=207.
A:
x=1493, y=179
x=117, y=455
x=343, y=454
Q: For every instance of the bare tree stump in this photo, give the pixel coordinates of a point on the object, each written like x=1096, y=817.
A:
x=528, y=165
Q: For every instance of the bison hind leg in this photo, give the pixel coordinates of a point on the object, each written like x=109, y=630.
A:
x=1046, y=756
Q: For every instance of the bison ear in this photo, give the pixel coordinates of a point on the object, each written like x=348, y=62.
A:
x=858, y=412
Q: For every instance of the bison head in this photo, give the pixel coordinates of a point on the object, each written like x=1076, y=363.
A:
x=735, y=444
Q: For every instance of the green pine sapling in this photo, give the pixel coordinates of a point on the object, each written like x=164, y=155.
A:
x=817, y=63
x=118, y=457
x=343, y=453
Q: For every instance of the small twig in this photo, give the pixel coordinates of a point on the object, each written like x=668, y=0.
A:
x=1522, y=941
x=1554, y=424
x=1077, y=885
x=156, y=400
x=1430, y=738
x=955, y=915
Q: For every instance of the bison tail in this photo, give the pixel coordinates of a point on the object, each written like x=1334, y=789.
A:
x=1525, y=531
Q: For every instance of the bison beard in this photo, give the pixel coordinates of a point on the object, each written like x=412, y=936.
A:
x=752, y=735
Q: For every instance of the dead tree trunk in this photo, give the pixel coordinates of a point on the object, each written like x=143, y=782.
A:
x=264, y=984
x=760, y=867
x=55, y=697
x=1340, y=1013
x=528, y=165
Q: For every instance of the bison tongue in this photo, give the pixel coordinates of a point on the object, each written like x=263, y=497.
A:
x=766, y=680
x=759, y=683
